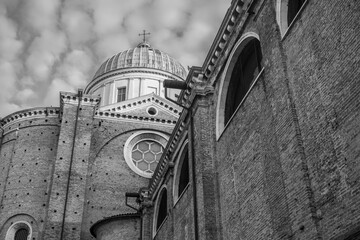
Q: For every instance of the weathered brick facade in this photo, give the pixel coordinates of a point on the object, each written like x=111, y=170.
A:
x=285, y=166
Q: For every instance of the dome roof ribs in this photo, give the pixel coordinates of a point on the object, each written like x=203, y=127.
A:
x=142, y=56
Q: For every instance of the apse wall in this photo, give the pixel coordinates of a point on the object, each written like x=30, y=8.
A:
x=109, y=176
x=118, y=227
x=27, y=154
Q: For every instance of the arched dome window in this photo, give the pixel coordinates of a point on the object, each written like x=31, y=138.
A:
x=241, y=71
x=286, y=11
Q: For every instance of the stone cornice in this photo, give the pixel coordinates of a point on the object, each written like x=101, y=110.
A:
x=233, y=20
x=133, y=118
x=39, y=112
x=164, y=162
x=135, y=102
x=74, y=98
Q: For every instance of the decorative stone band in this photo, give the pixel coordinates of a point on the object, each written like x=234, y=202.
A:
x=40, y=112
x=164, y=163
x=74, y=98
x=132, y=118
x=236, y=13
x=141, y=100
x=136, y=70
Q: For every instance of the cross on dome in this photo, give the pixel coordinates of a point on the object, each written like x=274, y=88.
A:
x=144, y=35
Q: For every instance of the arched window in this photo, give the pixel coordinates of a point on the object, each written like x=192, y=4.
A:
x=184, y=173
x=286, y=12
x=246, y=69
x=20, y=230
x=21, y=234
x=181, y=178
x=241, y=70
x=162, y=208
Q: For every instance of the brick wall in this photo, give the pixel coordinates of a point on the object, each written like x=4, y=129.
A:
x=287, y=162
x=65, y=211
x=109, y=176
x=27, y=155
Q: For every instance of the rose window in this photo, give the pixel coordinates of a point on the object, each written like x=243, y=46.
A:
x=146, y=155
x=143, y=150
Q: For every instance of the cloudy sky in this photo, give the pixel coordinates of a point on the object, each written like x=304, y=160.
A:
x=47, y=46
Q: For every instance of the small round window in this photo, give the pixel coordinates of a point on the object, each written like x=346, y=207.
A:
x=143, y=150
x=152, y=111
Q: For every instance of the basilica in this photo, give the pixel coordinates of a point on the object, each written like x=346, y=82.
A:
x=260, y=142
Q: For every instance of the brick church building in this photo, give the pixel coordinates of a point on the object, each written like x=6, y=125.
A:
x=260, y=142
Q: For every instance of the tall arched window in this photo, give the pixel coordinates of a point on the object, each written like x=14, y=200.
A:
x=246, y=69
x=184, y=173
x=286, y=12
x=181, y=178
x=162, y=208
x=21, y=234
x=243, y=67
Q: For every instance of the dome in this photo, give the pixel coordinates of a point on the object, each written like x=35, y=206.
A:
x=143, y=55
x=134, y=73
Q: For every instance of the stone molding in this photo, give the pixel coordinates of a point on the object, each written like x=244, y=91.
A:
x=40, y=112
x=135, y=102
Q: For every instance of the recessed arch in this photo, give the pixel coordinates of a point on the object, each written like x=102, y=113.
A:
x=237, y=80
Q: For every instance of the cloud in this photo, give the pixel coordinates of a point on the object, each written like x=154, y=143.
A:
x=44, y=51
x=47, y=46
x=78, y=26
x=40, y=15
x=8, y=88
x=75, y=69
x=53, y=92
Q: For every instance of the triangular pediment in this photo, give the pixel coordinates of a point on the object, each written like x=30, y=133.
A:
x=147, y=106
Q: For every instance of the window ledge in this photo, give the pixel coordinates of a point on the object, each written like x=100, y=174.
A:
x=241, y=103
x=283, y=36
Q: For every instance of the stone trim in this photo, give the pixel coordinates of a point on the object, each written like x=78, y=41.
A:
x=10, y=234
x=118, y=116
x=129, y=104
x=164, y=162
x=72, y=98
x=31, y=113
x=101, y=222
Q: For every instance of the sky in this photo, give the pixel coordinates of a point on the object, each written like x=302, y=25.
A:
x=48, y=46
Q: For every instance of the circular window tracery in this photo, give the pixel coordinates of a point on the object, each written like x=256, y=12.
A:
x=146, y=155
x=143, y=150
